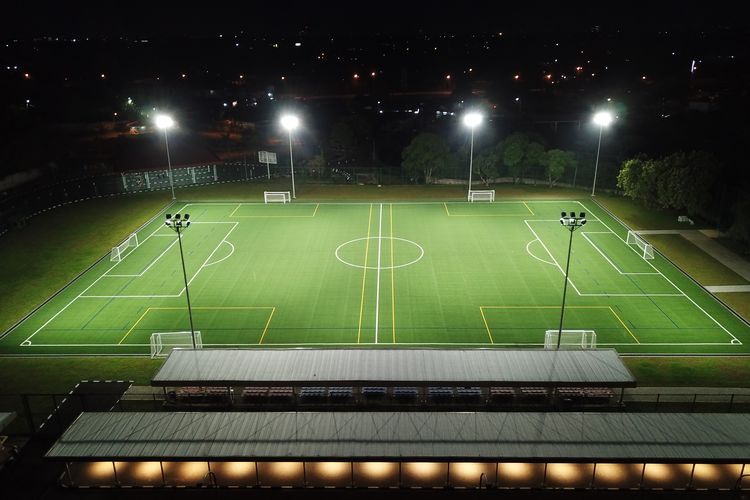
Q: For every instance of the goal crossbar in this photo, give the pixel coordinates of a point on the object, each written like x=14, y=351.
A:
x=118, y=252
x=570, y=339
x=163, y=343
x=646, y=250
x=481, y=195
x=277, y=197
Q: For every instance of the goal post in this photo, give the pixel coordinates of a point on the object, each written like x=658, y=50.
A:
x=646, y=250
x=481, y=195
x=163, y=343
x=277, y=197
x=570, y=339
x=118, y=252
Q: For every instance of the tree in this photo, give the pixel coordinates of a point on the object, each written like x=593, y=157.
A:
x=427, y=155
x=485, y=164
x=513, y=150
x=555, y=162
x=637, y=178
x=519, y=153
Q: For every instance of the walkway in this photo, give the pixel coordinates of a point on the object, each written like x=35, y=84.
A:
x=699, y=238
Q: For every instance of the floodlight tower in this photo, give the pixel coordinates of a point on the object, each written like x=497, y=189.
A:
x=571, y=223
x=290, y=122
x=177, y=223
x=471, y=120
x=165, y=122
x=603, y=119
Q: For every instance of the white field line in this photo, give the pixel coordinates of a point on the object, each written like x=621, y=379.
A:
x=27, y=341
x=223, y=258
x=537, y=258
x=596, y=247
x=433, y=202
x=211, y=254
x=377, y=287
x=153, y=261
x=629, y=344
x=735, y=339
x=551, y=256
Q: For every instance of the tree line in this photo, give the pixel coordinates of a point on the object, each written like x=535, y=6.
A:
x=428, y=157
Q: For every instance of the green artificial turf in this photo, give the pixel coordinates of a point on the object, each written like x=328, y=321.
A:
x=380, y=273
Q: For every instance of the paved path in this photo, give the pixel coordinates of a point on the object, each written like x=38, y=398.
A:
x=730, y=259
x=728, y=288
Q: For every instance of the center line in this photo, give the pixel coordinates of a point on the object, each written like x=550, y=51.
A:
x=377, y=288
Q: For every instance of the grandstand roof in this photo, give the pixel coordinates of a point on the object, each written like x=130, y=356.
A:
x=675, y=437
x=392, y=367
x=6, y=418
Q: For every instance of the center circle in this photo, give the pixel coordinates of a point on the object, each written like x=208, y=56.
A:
x=395, y=252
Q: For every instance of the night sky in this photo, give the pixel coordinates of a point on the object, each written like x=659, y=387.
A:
x=136, y=18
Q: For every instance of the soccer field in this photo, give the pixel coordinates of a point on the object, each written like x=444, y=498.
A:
x=410, y=274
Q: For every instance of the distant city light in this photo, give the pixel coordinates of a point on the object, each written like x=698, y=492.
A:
x=298, y=44
x=26, y=75
x=356, y=76
x=516, y=77
x=643, y=77
x=103, y=76
x=242, y=77
x=548, y=76
x=283, y=78
x=447, y=77
x=184, y=75
x=372, y=74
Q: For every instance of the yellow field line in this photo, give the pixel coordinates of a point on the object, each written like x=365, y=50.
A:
x=364, y=276
x=623, y=324
x=317, y=205
x=489, y=333
x=482, y=308
x=393, y=285
x=446, y=209
x=527, y=208
x=134, y=325
x=235, y=209
x=265, y=329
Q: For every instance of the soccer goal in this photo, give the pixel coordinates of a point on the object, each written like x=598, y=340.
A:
x=570, y=339
x=645, y=249
x=163, y=343
x=118, y=252
x=277, y=197
x=481, y=195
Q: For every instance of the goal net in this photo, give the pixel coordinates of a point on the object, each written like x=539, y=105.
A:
x=118, y=252
x=163, y=343
x=277, y=197
x=570, y=339
x=644, y=249
x=484, y=195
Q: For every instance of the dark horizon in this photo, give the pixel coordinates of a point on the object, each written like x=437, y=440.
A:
x=339, y=18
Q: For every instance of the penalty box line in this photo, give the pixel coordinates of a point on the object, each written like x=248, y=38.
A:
x=735, y=340
x=239, y=205
x=612, y=311
x=202, y=308
x=27, y=341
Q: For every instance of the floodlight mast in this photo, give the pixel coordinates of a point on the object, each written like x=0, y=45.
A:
x=290, y=122
x=471, y=120
x=176, y=223
x=165, y=122
x=603, y=119
x=571, y=223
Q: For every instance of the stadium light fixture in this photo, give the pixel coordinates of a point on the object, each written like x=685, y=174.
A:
x=603, y=119
x=571, y=222
x=165, y=122
x=471, y=120
x=290, y=123
x=178, y=223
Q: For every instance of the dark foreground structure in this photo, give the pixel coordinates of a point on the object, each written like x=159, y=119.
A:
x=407, y=449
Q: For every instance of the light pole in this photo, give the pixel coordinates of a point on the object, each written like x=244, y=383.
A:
x=176, y=223
x=471, y=120
x=603, y=119
x=571, y=223
x=165, y=122
x=290, y=122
